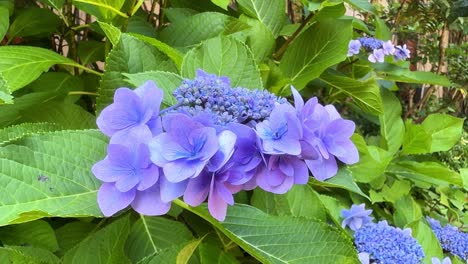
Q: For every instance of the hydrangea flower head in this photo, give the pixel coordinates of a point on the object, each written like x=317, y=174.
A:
x=387, y=244
x=353, y=47
x=356, y=217
x=377, y=55
x=129, y=176
x=370, y=44
x=438, y=261
x=388, y=48
x=282, y=132
x=450, y=238
x=185, y=147
x=132, y=112
x=401, y=52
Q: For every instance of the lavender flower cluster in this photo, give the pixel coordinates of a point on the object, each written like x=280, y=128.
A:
x=380, y=242
x=214, y=143
x=378, y=49
x=451, y=239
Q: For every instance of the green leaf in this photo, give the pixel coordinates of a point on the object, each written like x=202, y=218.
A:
x=259, y=39
x=34, y=21
x=13, y=133
x=320, y=46
x=300, y=201
x=445, y=131
x=406, y=210
x=271, y=13
x=167, y=81
x=418, y=77
x=57, y=4
x=29, y=255
x=104, y=246
x=112, y=33
x=172, y=53
x=90, y=51
x=151, y=235
x=365, y=93
x=381, y=30
x=197, y=28
x=177, y=14
x=71, y=234
x=392, y=129
x=20, y=65
x=282, y=239
x=4, y=21
x=140, y=25
x=428, y=172
x=372, y=164
x=427, y=239
x=212, y=253
x=130, y=55
x=103, y=10
x=53, y=172
x=328, y=10
x=221, y=3
x=179, y=254
x=343, y=180
x=5, y=92
x=225, y=57
x=36, y=234
x=416, y=139
x=362, y=5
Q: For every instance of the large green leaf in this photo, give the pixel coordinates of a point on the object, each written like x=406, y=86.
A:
x=259, y=39
x=34, y=21
x=418, y=77
x=406, y=209
x=179, y=254
x=212, y=253
x=427, y=172
x=416, y=139
x=36, y=234
x=197, y=28
x=16, y=132
x=343, y=180
x=320, y=46
x=103, y=10
x=271, y=13
x=167, y=81
x=91, y=51
x=70, y=234
x=27, y=255
x=282, y=239
x=362, y=5
x=445, y=131
x=224, y=56
x=151, y=235
x=130, y=55
x=104, y=246
x=365, y=93
x=427, y=239
x=112, y=33
x=329, y=9
x=301, y=200
x=20, y=65
x=53, y=173
x=4, y=21
x=372, y=164
x=392, y=128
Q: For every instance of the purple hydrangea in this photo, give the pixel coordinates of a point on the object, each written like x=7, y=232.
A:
x=387, y=244
x=370, y=44
x=438, y=261
x=388, y=48
x=132, y=112
x=356, y=217
x=378, y=55
x=353, y=47
x=401, y=52
x=451, y=239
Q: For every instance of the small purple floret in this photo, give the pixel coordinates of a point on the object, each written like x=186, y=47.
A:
x=356, y=217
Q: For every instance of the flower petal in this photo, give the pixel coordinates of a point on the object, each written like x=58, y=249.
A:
x=148, y=177
x=323, y=169
x=216, y=204
x=170, y=191
x=198, y=188
x=111, y=200
x=148, y=202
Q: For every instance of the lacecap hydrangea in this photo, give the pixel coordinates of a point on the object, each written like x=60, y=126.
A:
x=379, y=242
x=451, y=239
x=378, y=49
x=214, y=142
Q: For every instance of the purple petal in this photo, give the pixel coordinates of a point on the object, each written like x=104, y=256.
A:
x=298, y=101
x=332, y=113
x=171, y=191
x=120, y=156
x=323, y=169
x=216, y=204
x=151, y=96
x=148, y=177
x=287, y=145
x=345, y=151
x=226, y=140
x=125, y=184
x=197, y=189
x=148, y=202
x=179, y=170
x=139, y=133
x=340, y=128
x=157, y=149
x=223, y=192
x=111, y=200
x=105, y=171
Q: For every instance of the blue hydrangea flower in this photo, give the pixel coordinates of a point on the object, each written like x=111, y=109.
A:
x=132, y=112
x=353, y=47
x=450, y=238
x=370, y=44
x=356, y=217
x=325, y=136
x=377, y=55
x=388, y=48
x=281, y=173
x=282, y=132
x=387, y=244
x=438, y=261
x=129, y=177
x=185, y=147
x=213, y=95
x=401, y=52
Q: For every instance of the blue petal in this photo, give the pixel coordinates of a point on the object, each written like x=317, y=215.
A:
x=111, y=200
x=148, y=202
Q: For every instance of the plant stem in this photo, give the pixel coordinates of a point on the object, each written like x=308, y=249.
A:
x=82, y=93
x=283, y=48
